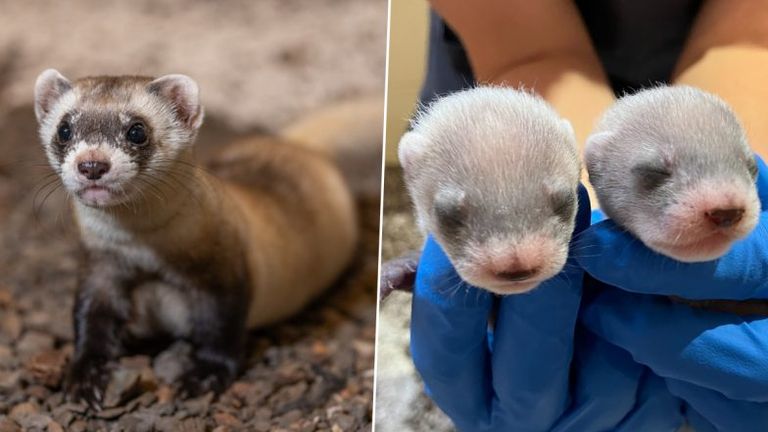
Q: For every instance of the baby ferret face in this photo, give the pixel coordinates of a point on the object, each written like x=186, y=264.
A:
x=693, y=207
x=507, y=246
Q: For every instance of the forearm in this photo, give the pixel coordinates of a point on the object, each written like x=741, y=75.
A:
x=727, y=54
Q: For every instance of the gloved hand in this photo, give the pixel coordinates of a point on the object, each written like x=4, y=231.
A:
x=716, y=361
x=516, y=377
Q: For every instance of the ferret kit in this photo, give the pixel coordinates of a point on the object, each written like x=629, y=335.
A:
x=672, y=165
x=493, y=174
x=171, y=248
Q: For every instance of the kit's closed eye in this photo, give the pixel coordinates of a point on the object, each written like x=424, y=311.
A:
x=752, y=166
x=651, y=175
x=450, y=209
x=563, y=203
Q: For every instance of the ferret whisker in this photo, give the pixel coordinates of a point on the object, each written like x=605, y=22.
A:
x=35, y=207
x=45, y=198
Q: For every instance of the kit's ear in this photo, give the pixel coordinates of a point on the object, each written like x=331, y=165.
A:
x=49, y=88
x=596, y=144
x=412, y=146
x=183, y=94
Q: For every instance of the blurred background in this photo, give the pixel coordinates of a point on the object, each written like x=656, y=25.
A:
x=260, y=66
x=401, y=404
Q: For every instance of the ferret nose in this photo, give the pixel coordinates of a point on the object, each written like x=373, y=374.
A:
x=93, y=170
x=724, y=218
x=517, y=275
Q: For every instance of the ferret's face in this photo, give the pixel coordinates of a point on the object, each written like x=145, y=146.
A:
x=693, y=207
x=493, y=173
x=505, y=246
x=110, y=139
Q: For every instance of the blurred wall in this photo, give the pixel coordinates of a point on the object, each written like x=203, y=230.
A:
x=407, y=58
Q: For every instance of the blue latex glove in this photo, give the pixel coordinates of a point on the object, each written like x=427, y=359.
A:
x=517, y=378
x=717, y=362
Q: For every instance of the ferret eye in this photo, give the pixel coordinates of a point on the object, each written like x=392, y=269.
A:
x=563, y=203
x=64, y=132
x=450, y=210
x=651, y=176
x=137, y=134
x=752, y=166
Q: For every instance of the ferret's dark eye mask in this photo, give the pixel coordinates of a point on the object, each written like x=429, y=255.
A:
x=451, y=208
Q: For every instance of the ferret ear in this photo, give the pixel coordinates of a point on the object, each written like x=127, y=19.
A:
x=411, y=147
x=49, y=87
x=596, y=144
x=183, y=93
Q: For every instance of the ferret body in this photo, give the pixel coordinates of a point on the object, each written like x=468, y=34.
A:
x=493, y=174
x=672, y=165
x=170, y=248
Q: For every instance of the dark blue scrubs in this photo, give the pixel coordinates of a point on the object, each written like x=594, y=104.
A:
x=638, y=42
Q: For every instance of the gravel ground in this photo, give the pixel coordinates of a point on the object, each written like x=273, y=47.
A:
x=401, y=405
x=259, y=64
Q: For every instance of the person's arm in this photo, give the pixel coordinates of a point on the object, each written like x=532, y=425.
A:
x=727, y=54
x=542, y=45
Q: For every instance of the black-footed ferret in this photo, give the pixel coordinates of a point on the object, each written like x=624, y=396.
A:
x=169, y=248
x=493, y=174
x=672, y=165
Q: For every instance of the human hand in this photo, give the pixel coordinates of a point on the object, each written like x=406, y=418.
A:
x=717, y=362
x=517, y=375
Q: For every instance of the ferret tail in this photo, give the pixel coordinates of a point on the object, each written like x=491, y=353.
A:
x=349, y=132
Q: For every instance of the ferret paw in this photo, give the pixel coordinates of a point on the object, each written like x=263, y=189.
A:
x=205, y=376
x=87, y=381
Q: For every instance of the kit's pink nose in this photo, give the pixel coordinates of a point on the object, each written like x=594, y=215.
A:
x=725, y=218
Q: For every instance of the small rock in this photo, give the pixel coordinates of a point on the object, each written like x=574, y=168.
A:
x=79, y=408
x=167, y=424
x=8, y=425
x=261, y=425
x=54, y=427
x=46, y=368
x=10, y=325
x=37, y=320
x=6, y=297
x=24, y=408
x=110, y=413
x=147, y=399
x=9, y=380
x=7, y=359
x=286, y=419
x=192, y=425
x=38, y=392
x=78, y=426
x=137, y=422
x=171, y=363
x=123, y=386
x=33, y=342
x=33, y=421
x=199, y=406
x=344, y=421
x=226, y=419
x=164, y=394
